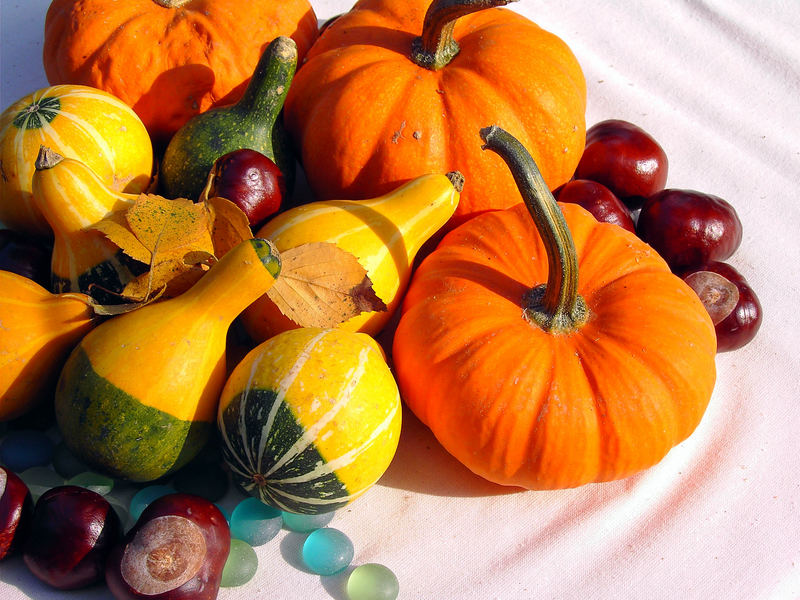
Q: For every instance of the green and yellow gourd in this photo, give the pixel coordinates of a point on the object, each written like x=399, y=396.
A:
x=310, y=419
x=138, y=397
x=384, y=234
x=72, y=198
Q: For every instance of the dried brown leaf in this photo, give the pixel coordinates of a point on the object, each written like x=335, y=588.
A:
x=321, y=285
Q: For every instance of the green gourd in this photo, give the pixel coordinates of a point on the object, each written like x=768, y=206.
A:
x=137, y=398
x=254, y=122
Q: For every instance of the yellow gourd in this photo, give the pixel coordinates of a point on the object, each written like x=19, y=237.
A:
x=72, y=198
x=76, y=121
x=384, y=234
x=39, y=329
x=138, y=397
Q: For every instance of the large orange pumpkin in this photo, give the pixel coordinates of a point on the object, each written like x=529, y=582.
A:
x=168, y=59
x=534, y=377
x=384, y=98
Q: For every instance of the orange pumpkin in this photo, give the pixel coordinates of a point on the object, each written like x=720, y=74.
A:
x=168, y=59
x=377, y=104
x=534, y=377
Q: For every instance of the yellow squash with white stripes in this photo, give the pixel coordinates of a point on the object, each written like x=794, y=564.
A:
x=384, y=234
x=72, y=198
x=310, y=419
x=77, y=122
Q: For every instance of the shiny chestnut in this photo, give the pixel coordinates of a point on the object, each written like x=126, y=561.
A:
x=624, y=158
x=689, y=228
x=250, y=180
x=16, y=508
x=730, y=301
x=598, y=200
x=72, y=531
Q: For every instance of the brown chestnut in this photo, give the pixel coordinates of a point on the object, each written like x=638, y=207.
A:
x=598, y=200
x=16, y=508
x=250, y=180
x=175, y=551
x=689, y=228
x=72, y=531
x=730, y=301
x=625, y=158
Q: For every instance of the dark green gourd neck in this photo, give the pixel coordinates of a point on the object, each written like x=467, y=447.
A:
x=266, y=92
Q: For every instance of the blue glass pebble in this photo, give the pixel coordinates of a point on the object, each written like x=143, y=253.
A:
x=23, y=449
x=145, y=496
x=255, y=522
x=306, y=523
x=327, y=551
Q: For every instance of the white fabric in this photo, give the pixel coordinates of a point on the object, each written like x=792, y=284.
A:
x=717, y=83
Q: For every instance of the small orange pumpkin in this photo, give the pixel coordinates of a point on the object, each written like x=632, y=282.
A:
x=168, y=59
x=377, y=104
x=534, y=378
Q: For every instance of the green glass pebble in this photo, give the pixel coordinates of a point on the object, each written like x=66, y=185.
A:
x=255, y=522
x=66, y=463
x=327, y=551
x=145, y=496
x=306, y=523
x=93, y=481
x=372, y=581
x=241, y=565
x=40, y=479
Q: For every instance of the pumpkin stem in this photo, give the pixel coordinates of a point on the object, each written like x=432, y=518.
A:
x=555, y=306
x=171, y=3
x=47, y=159
x=436, y=46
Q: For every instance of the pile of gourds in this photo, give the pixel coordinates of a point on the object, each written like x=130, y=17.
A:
x=542, y=348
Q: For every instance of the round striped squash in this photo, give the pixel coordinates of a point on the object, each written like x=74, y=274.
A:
x=77, y=122
x=310, y=419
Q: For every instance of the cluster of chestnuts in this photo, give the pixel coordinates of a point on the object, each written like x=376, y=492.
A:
x=621, y=179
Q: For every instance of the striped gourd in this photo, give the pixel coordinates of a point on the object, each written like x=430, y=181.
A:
x=384, y=234
x=77, y=122
x=310, y=419
x=138, y=396
x=39, y=329
x=71, y=197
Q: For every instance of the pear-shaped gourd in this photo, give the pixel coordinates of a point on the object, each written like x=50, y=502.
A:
x=384, y=234
x=39, y=329
x=137, y=398
x=72, y=198
x=254, y=122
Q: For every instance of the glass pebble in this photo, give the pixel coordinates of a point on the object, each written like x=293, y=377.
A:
x=255, y=522
x=40, y=479
x=202, y=478
x=93, y=481
x=23, y=449
x=327, y=551
x=66, y=463
x=145, y=496
x=122, y=512
x=372, y=581
x=306, y=523
x=241, y=565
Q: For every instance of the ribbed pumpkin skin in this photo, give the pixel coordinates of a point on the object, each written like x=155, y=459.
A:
x=523, y=407
x=77, y=122
x=310, y=419
x=137, y=398
x=39, y=329
x=367, y=118
x=384, y=233
x=169, y=64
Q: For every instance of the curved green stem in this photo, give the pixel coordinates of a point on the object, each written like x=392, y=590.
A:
x=436, y=46
x=555, y=306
